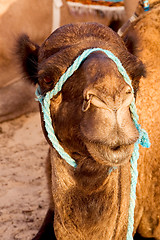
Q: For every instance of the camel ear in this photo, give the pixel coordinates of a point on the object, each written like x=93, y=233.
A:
x=135, y=67
x=131, y=41
x=27, y=52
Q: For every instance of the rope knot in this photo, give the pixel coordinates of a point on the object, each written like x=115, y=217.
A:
x=144, y=139
x=39, y=96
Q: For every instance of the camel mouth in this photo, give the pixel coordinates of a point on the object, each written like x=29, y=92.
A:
x=111, y=155
x=119, y=154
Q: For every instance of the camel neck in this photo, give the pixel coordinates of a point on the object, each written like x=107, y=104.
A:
x=87, y=205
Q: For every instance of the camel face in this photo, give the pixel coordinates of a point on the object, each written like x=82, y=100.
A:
x=94, y=105
x=91, y=114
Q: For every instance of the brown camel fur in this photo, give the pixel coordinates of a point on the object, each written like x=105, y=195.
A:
x=147, y=29
x=90, y=202
x=35, y=19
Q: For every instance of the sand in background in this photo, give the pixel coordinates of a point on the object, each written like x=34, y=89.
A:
x=23, y=191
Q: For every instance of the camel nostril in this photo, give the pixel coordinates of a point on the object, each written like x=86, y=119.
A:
x=91, y=97
x=86, y=104
x=127, y=96
x=128, y=90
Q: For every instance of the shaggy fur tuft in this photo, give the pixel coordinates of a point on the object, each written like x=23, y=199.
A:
x=28, y=56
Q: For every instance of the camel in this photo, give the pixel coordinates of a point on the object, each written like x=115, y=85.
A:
x=16, y=95
x=37, y=19
x=89, y=119
x=147, y=29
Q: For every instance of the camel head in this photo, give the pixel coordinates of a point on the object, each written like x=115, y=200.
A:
x=91, y=114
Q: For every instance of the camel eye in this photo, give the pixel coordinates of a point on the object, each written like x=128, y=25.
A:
x=47, y=80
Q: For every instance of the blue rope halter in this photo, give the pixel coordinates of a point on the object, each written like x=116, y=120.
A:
x=143, y=136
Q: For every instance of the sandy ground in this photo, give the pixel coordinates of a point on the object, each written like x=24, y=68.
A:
x=23, y=191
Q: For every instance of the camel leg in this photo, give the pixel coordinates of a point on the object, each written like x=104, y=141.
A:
x=17, y=99
x=46, y=231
